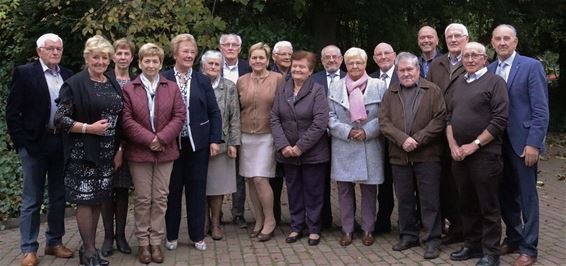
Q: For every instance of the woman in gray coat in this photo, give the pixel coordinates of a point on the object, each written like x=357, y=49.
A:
x=221, y=177
x=299, y=118
x=357, y=155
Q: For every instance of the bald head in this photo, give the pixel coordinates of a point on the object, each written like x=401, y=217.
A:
x=331, y=58
x=428, y=40
x=384, y=56
x=504, y=40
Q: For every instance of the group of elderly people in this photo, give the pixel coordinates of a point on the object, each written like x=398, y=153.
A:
x=181, y=129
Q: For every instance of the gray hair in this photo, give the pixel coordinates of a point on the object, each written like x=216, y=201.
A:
x=322, y=52
x=280, y=45
x=406, y=56
x=223, y=38
x=457, y=26
x=513, y=30
x=477, y=46
x=207, y=55
x=47, y=37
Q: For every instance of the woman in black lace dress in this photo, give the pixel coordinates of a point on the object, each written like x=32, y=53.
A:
x=88, y=111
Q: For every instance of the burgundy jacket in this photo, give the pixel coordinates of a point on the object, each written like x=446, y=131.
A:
x=169, y=117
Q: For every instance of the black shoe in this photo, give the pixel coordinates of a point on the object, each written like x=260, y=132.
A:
x=106, y=250
x=405, y=243
x=94, y=260
x=240, y=221
x=431, y=252
x=488, y=260
x=382, y=227
x=313, y=241
x=123, y=246
x=466, y=253
x=292, y=239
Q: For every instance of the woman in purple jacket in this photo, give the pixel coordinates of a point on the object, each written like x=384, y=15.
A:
x=298, y=122
x=152, y=118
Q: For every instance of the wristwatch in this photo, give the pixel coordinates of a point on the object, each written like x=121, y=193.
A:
x=478, y=142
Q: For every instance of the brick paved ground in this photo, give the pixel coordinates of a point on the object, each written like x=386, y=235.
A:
x=238, y=249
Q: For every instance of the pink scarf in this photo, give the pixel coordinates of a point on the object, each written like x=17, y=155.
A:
x=356, y=98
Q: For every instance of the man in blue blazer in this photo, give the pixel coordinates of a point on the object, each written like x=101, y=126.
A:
x=523, y=142
x=29, y=115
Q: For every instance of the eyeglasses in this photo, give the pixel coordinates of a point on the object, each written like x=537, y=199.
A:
x=473, y=56
x=354, y=63
x=230, y=45
x=284, y=54
x=383, y=53
x=328, y=57
x=53, y=49
x=456, y=36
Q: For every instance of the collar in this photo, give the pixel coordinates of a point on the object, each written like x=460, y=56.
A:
x=187, y=75
x=458, y=58
x=474, y=76
x=336, y=73
x=44, y=67
x=434, y=55
x=230, y=67
x=509, y=60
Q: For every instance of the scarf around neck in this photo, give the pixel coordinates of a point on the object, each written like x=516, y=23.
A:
x=356, y=98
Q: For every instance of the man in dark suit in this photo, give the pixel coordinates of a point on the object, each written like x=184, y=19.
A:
x=233, y=68
x=29, y=115
x=427, y=39
x=523, y=142
x=331, y=58
x=384, y=57
x=443, y=71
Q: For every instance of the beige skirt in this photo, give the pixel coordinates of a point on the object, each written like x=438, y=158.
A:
x=221, y=179
x=257, y=155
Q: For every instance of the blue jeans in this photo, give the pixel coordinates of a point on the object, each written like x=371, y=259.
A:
x=35, y=168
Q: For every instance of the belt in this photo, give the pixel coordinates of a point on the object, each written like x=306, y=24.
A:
x=52, y=131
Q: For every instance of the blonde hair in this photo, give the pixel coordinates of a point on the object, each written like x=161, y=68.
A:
x=97, y=44
x=184, y=37
x=151, y=49
x=260, y=46
x=355, y=52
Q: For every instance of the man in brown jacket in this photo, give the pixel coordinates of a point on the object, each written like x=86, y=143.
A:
x=443, y=71
x=412, y=118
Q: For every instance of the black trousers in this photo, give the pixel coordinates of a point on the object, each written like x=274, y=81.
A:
x=478, y=178
x=424, y=177
x=449, y=196
x=385, y=196
x=189, y=172
x=277, y=186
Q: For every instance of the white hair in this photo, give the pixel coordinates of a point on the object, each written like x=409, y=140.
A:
x=223, y=38
x=476, y=46
x=207, y=55
x=280, y=45
x=326, y=48
x=457, y=26
x=47, y=37
x=406, y=56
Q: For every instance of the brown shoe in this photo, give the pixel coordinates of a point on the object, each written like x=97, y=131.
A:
x=346, y=239
x=507, y=249
x=216, y=233
x=144, y=256
x=367, y=238
x=30, y=259
x=59, y=251
x=156, y=254
x=525, y=260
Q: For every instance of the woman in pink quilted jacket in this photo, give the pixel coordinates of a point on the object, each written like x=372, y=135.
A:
x=152, y=118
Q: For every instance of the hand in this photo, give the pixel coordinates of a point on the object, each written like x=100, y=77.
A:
x=296, y=151
x=118, y=159
x=531, y=155
x=214, y=149
x=410, y=144
x=357, y=134
x=287, y=151
x=456, y=153
x=155, y=145
x=98, y=128
x=232, y=152
x=469, y=149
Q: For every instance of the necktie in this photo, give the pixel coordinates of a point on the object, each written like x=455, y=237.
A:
x=384, y=77
x=332, y=76
x=501, y=71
